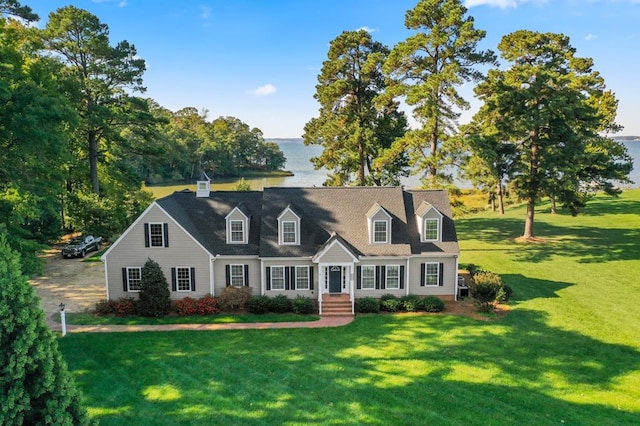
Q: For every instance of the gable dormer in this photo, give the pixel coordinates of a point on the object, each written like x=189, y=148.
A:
x=238, y=221
x=379, y=225
x=289, y=227
x=429, y=221
x=203, y=186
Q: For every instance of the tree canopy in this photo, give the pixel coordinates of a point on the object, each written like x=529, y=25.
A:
x=353, y=130
x=551, y=108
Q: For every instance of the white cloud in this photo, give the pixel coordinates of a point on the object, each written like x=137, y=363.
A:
x=205, y=12
x=503, y=4
x=121, y=3
x=591, y=37
x=266, y=90
x=367, y=29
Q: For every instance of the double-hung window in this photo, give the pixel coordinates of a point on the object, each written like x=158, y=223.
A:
x=156, y=235
x=302, y=278
x=392, y=279
x=289, y=232
x=431, y=274
x=237, y=231
x=431, y=230
x=183, y=279
x=134, y=277
x=236, y=275
x=277, y=278
x=380, y=231
x=368, y=277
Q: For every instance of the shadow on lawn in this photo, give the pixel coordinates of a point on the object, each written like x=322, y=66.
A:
x=402, y=369
x=532, y=288
x=586, y=244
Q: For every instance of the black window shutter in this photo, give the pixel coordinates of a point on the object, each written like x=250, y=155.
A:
x=193, y=279
x=292, y=277
x=287, y=278
x=268, y=278
x=246, y=275
x=146, y=235
x=310, y=277
x=401, y=276
x=165, y=228
x=378, y=277
x=423, y=268
x=383, y=277
x=227, y=273
x=173, y=279
x=124, y=280
x=441, y=275
x=359, y=277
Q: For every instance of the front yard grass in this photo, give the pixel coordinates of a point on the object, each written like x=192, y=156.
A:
x=82, y=318
x=567, y=353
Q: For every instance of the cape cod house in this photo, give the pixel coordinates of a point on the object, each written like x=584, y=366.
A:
x=331, y=244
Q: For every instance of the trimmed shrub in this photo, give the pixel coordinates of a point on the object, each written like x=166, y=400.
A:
x=410, y=303
x=206, y=305
x=234, y=298
x=368, y=305
x=473, y=269
x=504, y=294
x=432, y=304
x=302, y=305
x=125, y=307
x=484, y=290
x=105, y=307
x=389, y=303
x=154, y=299
x=280, y=304
x=259, y=305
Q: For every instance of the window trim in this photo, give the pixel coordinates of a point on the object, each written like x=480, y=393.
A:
x=427, y=274
x=162, y=235
x=129, y=268
x=372, y=277
x=387, y=276
x=307, y=278
x=375, y=232
x=425, y=229
x=284, y=277
x=232, y=276
x=231, y=231
x=295, y=232
x=189, y=278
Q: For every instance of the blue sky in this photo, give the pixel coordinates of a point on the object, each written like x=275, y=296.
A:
x=258, y=60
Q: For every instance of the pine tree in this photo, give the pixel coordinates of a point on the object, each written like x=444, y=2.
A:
x=35, y=384
x=155, y=298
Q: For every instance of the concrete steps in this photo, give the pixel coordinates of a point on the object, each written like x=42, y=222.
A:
x=337, y=305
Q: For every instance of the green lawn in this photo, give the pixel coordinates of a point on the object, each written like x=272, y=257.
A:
x=84, y=318
x=568, y=353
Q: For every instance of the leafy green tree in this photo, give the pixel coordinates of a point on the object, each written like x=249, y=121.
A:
x=35, y=384
x=351, y=128
x=552, y=107
x=14, y=8
x=425, y=70
x=154, y=296
x=35, y=124
x=101, y=78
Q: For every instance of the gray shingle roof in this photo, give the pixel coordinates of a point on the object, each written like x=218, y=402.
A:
x=323, y=211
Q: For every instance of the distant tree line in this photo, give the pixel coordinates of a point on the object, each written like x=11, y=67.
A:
x=77, y=140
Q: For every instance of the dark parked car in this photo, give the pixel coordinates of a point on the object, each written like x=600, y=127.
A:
x=80, y=246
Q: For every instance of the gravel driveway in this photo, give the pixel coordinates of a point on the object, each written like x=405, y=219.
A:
x=74, y=282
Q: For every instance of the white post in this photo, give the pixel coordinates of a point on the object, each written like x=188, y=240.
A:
x=63, y=320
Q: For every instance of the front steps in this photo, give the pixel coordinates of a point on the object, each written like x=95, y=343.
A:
x=336, y=305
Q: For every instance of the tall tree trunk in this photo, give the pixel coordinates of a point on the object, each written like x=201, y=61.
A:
x=93, y=161
x=361, y=160
x=492, y=201
x=553, y=204
x=500, y=199
x=433, y=169
x=533, y=186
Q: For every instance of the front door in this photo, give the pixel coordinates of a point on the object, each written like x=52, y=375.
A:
x=335, y=279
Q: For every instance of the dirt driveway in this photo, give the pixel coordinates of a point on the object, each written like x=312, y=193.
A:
x=77, y=284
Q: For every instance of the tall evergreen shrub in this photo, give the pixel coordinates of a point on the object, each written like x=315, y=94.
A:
x=36, y=387
x=155, y=298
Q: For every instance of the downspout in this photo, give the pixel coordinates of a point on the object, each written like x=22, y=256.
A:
x=263, y=288
x=211, y=276
x=406, y=278
x=106, y=277
x=456, y=291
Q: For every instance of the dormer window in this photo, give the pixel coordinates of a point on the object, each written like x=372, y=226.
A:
x=431, y=229
x=238, y=225
x=289, y=227
x=429, y=221
x=379, y=225
x=380, y=232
